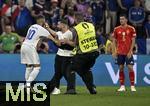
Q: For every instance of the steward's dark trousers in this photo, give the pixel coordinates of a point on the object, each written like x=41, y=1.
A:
x=82, y=64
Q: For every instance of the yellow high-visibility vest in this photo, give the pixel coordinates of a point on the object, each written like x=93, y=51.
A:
x=108, y=43
x=86, y=36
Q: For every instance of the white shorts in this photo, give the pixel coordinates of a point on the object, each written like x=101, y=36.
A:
x=29, y=55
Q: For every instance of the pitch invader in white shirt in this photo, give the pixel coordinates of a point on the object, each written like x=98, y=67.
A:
x=29, y=55
x=63, y=56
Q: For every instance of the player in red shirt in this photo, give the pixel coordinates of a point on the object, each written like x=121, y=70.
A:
x=123, y=44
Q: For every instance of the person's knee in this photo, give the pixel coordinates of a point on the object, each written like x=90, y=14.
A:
x=130, y=67
x=37, y=67
x=121, y=67
x=28, y=66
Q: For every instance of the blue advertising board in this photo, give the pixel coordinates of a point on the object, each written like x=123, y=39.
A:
x=105, y=71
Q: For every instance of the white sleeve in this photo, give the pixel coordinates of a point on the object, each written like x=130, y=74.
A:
x=69, y=35
x=59, y=35
x=43, y=32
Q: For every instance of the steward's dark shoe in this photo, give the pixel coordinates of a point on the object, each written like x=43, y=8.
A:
x=93, y=90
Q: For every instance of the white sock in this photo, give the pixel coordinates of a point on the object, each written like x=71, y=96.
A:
x=28, y=71
x=33, y=75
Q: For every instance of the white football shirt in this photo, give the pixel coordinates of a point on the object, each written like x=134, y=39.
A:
x=67, y=35
x=34, y=33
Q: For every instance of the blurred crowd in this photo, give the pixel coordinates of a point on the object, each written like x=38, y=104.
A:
x=17, y=15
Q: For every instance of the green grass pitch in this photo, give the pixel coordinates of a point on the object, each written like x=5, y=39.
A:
x=107, y=96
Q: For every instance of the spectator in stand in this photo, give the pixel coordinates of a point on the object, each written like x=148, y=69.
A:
x=89, y=17
x=9, y=40
x=146, y=5
x=71, y=17
x=23, y=20
x=98, y=9
x=109, y=46
x=135, y=48
x=111, y=15
x=52, y=13
x=29, y=4
x=17, y=48
x=38, y=8
x=124, y=6
x=61, y=14
x=81, y=6
x=52, y=47
x=14, y=1
x=43, y=48
x=147, y=27
x=137, y=17
x=9, y=11
x=0, y=28
x=100, y=39
x=1, y=3
x=66, y=4
x=136, y=13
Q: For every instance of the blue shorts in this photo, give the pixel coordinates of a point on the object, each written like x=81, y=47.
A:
x=122, y=59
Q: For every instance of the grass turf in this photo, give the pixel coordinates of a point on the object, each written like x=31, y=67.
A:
x=107, y=96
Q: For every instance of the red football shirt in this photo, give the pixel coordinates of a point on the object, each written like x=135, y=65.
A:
x=123, y=36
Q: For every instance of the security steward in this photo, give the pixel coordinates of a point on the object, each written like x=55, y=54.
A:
x=85, y=54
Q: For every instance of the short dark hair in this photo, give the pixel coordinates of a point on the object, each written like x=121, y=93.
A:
x=123, y=15
x=79, y=16
x=64, y=20
x=40, y=17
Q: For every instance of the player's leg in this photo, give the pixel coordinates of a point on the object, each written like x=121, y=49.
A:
x=33, y=60
x=25, y=60
x=120, y=62
x=34, y=73
x=32, y=76
x=30, y=57
x=130, y=63
x=29, y=69
x=121, y=78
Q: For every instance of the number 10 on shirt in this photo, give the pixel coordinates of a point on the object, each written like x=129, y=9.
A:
x=30, y=34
